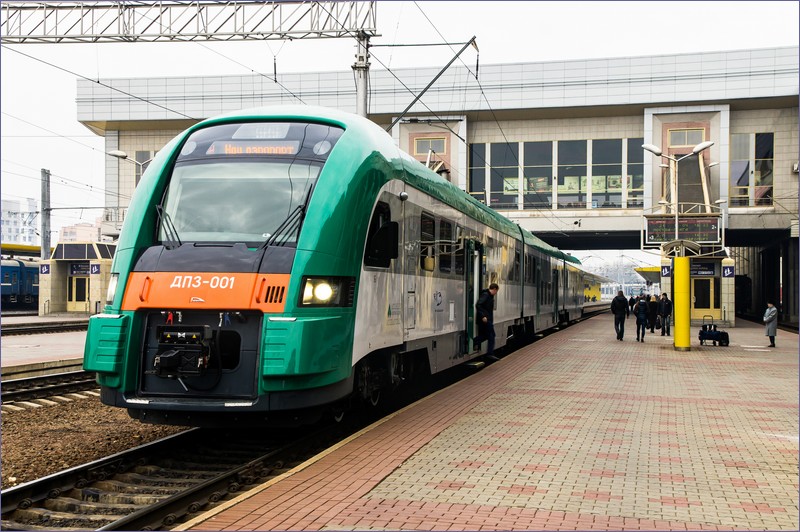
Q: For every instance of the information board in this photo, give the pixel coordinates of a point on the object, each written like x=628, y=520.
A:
x=700, y=229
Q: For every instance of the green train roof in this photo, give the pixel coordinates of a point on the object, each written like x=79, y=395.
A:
x=417, y=175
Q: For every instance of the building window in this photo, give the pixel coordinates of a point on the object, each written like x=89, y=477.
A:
x=572, y=174
x=538, y=175
x=477, y=172
x=504, y=174
x=607, y=174
x=752, y=162
x=424, y=145
x=635, y=177
x=685, y=137
x=143, y=158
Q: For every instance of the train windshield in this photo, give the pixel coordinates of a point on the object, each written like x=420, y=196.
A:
x=240, y=182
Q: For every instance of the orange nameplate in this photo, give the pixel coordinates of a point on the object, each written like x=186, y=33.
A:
x=224, y=291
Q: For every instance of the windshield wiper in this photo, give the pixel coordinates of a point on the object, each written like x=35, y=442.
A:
x=173, y=240
x=287, y=227
x=292, y=224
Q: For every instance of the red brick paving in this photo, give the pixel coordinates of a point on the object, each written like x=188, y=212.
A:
x=729, y=460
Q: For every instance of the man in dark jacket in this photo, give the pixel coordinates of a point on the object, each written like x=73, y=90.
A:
x=632, y=303
x=485, y=309
x=620, y=310
x=665, y=311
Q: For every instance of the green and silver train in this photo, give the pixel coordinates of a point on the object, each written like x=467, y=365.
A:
x=282, y=262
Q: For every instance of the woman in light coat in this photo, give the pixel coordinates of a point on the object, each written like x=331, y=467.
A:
x=771, y=322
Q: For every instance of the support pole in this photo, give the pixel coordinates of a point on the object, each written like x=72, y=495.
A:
x=45, y=249
x=361, y=68
x=681, y=276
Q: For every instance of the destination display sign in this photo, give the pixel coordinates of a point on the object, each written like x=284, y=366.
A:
x=253, y=147
x=700, y=229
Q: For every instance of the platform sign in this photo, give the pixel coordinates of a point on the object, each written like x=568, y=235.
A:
x=79, y=269
x=728, y=271
x=700, y=229
x=44, y=269
x=703, y=269
x=666, y=270
x=95, y=269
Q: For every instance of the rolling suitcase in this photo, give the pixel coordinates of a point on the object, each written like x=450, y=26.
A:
x=709, y=333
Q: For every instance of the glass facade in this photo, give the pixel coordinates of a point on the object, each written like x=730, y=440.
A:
x=504, y=172
x=571, y=174
x=607, y=174
x=538, y=175
x=752, y=160
x=477, y=172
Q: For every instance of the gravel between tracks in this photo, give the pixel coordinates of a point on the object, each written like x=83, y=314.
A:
x=39, y=442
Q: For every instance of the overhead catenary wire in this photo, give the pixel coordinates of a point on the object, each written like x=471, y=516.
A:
x=390, y=71
x=491, y=110
x=97, y=81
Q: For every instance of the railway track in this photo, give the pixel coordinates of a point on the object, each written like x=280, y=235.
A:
x=158, y=485
x=39, y=328
x=31, y=388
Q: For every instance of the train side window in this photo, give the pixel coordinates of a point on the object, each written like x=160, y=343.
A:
x=427, y=253
x=529, y=269
x=445, y=246
x=516, y=275
x=382, y=238
x=460, y=251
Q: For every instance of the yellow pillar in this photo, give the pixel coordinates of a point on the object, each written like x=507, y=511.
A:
x=681, y=276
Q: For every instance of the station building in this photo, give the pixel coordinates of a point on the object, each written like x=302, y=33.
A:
x=555, y=146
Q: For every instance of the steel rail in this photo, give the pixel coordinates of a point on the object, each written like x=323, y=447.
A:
x=39, y=387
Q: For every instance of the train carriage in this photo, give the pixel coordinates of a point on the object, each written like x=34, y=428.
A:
x=20, y=283
x=284, y=261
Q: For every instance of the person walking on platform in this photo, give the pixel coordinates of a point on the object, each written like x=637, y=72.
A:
x=485, y=308
x=652, y=313
x=640, y=311
x=771, y=322
x=632, y=302
x=620, y=310
x=665, y=311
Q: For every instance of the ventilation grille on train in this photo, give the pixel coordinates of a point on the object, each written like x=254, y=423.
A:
x=275, y=294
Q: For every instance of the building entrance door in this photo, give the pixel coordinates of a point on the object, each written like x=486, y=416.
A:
x=706, y=298
x=78, y=294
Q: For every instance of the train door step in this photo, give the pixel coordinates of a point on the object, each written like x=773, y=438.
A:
x=476, y=364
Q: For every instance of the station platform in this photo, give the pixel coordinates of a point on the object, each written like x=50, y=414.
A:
x=27, y=355
x=577, y=431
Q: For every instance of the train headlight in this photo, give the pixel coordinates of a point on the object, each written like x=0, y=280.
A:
x=323, y=292
x=327, y=292
x=112, y=289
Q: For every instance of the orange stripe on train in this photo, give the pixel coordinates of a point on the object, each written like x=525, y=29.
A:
x=202, y=291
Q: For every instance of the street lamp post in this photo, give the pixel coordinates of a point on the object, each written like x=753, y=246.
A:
x=681, y=270
x=655, y=150
x=119, y=154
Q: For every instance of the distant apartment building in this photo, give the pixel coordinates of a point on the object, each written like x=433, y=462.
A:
x=82, y=232
x=19, y=221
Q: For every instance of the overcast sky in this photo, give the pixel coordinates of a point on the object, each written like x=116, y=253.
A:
x=39, y=127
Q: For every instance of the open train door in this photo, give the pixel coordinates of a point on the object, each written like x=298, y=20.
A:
x=472, y=280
